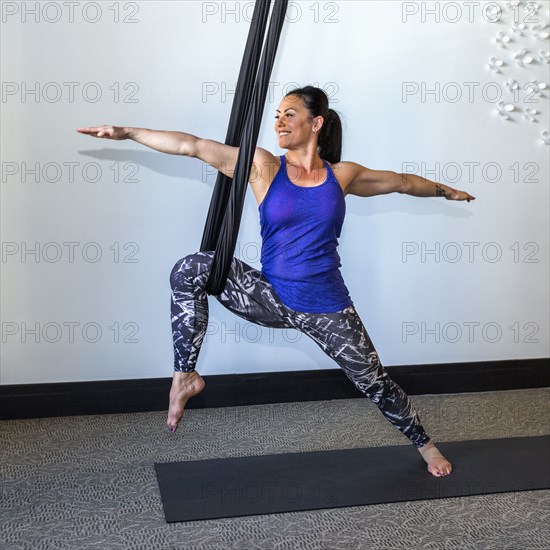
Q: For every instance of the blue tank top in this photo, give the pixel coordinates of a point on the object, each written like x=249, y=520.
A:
x=300, y=227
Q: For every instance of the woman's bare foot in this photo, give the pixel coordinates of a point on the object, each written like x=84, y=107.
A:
x=184, y=386
x=438, y=465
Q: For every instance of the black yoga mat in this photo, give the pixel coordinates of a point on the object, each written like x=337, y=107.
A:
x=290, y=482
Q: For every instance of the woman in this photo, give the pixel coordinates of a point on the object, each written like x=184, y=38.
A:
x=301, y=206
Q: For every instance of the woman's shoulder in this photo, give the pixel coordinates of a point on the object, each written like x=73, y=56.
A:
x=264, y=165
x=344, y=172
x=264, y=169
x=263, y=156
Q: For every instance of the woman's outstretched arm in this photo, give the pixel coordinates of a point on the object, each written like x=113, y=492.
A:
x=173, y=143
x=219, y=155
x=365, y=182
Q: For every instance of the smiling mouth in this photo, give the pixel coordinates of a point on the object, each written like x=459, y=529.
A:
x=283, y=134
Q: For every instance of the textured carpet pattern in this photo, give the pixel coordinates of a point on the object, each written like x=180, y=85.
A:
x=89, y=481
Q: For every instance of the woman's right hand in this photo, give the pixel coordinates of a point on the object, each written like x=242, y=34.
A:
x=106, y=132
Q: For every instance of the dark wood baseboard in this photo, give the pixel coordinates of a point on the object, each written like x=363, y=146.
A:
x=127, y=396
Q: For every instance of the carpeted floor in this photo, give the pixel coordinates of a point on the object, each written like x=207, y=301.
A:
x=89, y=482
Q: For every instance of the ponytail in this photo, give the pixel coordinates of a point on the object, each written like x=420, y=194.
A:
x=330, y=138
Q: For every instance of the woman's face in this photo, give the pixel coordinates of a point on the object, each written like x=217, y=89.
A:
x=292, y=123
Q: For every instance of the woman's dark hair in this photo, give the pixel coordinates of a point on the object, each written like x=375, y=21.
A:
x=330, y=136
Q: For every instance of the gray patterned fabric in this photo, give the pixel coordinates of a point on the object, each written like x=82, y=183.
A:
x=248, y=294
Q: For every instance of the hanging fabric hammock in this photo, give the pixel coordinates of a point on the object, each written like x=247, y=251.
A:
x=224, y=215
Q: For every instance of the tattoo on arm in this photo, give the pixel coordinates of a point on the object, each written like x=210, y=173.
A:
x=439, y=191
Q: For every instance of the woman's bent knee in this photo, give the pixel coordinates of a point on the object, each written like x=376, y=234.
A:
x=189, y=265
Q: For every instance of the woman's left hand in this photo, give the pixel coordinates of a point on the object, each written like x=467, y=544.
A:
x=456, y=195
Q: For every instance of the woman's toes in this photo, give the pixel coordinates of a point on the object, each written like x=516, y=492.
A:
x=172, y=425
x=439, y=467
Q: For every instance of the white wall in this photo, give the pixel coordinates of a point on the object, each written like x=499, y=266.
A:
x=153, y=73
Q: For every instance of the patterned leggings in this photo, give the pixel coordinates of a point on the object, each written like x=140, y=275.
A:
x=248, y=294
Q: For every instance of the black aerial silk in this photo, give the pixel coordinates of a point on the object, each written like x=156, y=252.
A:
x=224, y=215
